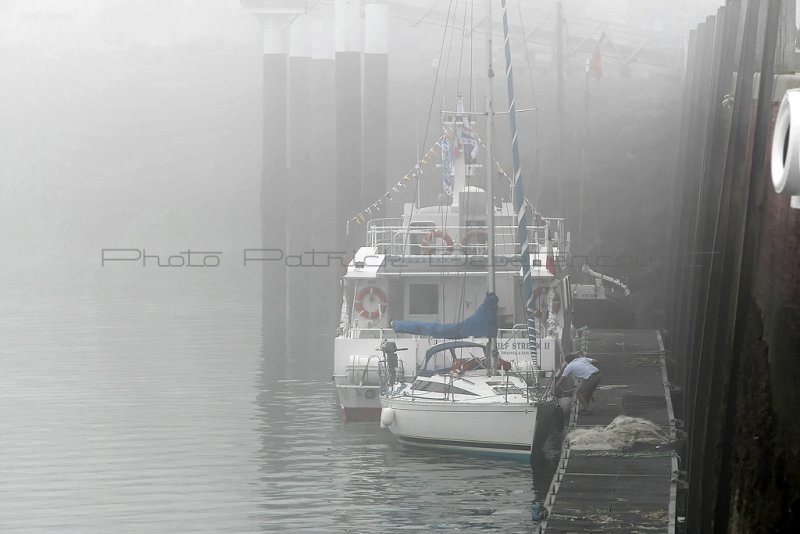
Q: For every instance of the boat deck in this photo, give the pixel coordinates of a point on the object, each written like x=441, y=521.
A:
x=619, y=491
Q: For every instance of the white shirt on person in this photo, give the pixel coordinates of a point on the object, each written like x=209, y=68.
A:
x=580, y=367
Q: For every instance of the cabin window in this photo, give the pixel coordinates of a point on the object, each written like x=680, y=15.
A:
x=438, y=387
x=423, y=299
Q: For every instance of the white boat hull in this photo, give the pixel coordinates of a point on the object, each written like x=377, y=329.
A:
x=359, y=403
x=358, y=393
x=496, y=427
x=356, y=398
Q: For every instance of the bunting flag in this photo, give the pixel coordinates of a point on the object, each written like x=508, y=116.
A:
x=402, y=184
x=416, y=172
x=505, y=175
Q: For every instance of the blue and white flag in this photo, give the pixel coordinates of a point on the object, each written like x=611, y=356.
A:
x=469, y=144
x=447, y=164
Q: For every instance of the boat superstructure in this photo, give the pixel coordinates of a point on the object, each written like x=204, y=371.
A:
x=431, y=265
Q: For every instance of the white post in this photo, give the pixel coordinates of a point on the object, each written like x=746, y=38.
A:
x=322, y=40
x=376, y=29
x=347, y=30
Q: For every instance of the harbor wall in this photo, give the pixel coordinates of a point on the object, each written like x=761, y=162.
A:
x=734, y=326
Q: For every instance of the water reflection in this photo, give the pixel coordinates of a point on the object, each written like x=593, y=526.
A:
x=129, y=413
x=157, y=409
x=322, y=474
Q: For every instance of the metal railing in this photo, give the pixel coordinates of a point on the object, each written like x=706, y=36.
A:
x=391, y=236
x=504, y=335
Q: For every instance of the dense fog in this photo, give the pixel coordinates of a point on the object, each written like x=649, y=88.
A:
x=138, y=125
x=135, y=126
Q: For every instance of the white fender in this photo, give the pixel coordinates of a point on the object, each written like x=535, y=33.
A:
x=786, y=145
x=387, y=417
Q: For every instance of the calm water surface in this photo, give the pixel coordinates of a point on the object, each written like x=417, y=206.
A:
x=159, y=411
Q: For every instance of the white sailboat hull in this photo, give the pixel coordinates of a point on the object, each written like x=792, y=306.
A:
x=484, y=427
x=357, y=392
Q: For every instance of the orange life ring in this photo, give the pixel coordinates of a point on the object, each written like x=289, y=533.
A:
x=375, y=302
x=435, y=235
x=476, y=236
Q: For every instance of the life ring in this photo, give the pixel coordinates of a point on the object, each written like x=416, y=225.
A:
x=476, y=236
x=435, y=235
x=369, y=394
x=375, y=305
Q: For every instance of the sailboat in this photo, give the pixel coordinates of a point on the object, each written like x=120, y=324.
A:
x=464, y=395
x=436, y=264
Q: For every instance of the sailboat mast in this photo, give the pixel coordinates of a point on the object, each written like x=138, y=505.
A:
x=489, y=163
x=489, y=173
x=520, y=204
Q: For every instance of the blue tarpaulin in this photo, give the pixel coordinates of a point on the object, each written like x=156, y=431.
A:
x=482, y=323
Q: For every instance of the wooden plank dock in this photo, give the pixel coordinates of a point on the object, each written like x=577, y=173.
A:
x=619, y=491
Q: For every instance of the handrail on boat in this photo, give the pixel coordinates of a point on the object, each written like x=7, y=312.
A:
x=392, y=236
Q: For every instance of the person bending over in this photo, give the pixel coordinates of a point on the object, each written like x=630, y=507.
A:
x=582, y=368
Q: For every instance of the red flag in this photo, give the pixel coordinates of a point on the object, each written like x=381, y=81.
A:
x=551, y=264
x=596, y=65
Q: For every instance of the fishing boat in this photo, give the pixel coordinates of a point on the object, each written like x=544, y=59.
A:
x=394, y=278
x=437, y=265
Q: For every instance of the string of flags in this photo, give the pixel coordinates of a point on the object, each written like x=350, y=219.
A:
x=507, y=177
x=416, y=172
x=402, y=184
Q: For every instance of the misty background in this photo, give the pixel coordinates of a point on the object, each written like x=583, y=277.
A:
x=199, y=399
x=139, y=125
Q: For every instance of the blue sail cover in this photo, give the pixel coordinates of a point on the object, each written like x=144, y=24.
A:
x=482, y=323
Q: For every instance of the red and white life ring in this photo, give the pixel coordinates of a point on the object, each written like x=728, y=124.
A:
x=436, y=236
x=371, y=302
